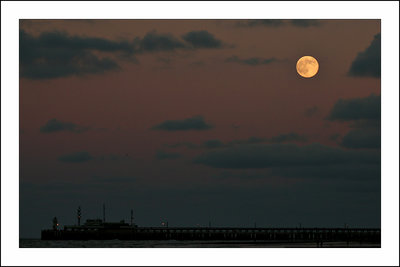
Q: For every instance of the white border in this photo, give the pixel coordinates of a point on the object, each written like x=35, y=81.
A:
x=387, y=11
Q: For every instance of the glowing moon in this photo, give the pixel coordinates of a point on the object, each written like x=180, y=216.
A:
x=307, y=66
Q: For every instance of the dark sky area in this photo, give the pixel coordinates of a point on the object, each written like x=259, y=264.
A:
x=198, y=121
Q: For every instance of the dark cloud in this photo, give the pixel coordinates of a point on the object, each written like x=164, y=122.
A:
x=113, y=157
x=196, y=123
x=216, y=143
x=213, y=144
x=330, y=175
x=55, y=125
x=311, y=111
x=368, y=63
x=58, y=39
x=362, y=138
x=367, y=124
x=303, y=23
x=260, y=22
x=334, y=137
x=362, y=172
x=160, y=155
x=357, y=109
x=365, y=115
x=281, y=155
x=57, y=54
x=250, y=140
x=290, y=137
x=254, y=61
x=76, y=157
x=182, y=144
x=202, y=39
x=155, y=42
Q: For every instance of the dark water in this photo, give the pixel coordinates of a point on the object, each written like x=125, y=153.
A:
x=37, y=243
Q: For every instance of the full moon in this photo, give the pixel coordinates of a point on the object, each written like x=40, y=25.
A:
x=307, y=66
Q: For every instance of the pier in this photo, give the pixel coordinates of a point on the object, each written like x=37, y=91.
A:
x=97, y=229
x=216, y=233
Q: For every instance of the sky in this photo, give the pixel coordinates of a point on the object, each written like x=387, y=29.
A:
x=199, y=122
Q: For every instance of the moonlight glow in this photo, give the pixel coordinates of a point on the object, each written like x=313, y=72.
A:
x=307, y=66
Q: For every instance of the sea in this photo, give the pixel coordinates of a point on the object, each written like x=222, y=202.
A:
x=37, y=243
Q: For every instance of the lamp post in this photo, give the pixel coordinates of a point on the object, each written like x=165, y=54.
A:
x=79, y=215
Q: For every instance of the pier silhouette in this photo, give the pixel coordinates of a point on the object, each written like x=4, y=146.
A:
x=98, y=229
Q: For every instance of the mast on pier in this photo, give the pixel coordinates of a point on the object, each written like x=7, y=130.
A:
x=131, y=217
x=55, y=223
x=104, y=213
x=79, y=215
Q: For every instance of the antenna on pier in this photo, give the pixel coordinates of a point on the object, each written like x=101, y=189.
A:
x=55, y=223
x=78, y=213
x=104, y=213
x=131, y=217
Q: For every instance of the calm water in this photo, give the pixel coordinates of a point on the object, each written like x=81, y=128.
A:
x=37, y=243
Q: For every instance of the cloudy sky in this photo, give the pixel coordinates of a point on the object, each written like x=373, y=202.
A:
x=198, y=121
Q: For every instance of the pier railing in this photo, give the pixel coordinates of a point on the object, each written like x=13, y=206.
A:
x=219, y=233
